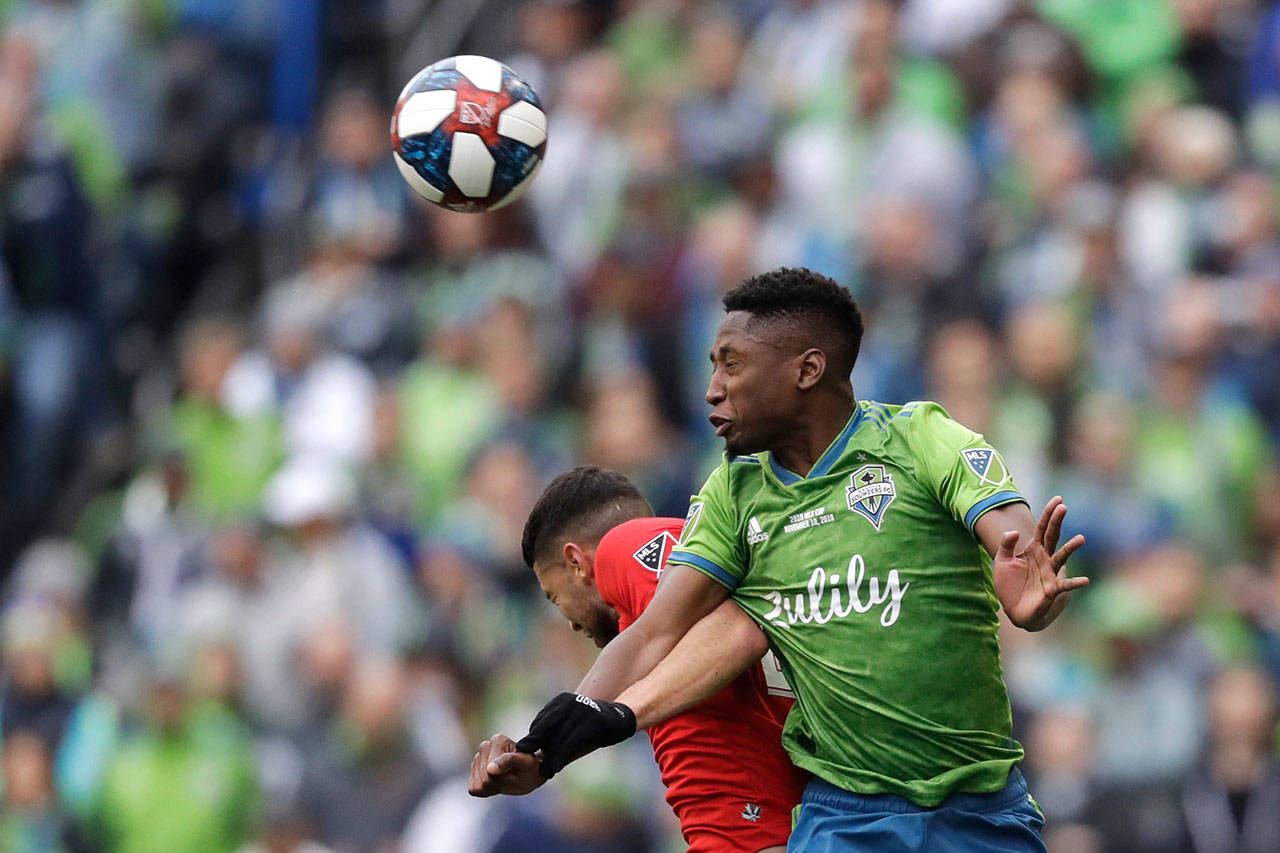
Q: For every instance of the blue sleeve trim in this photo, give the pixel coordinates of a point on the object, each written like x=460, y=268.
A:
x=704, y=565
x=998, y=499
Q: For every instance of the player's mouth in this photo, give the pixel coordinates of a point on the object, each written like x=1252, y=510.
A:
x=720, y=423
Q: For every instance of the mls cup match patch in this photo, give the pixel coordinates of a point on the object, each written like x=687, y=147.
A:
x=869, y=493
x=652, y=555
x=987, y=464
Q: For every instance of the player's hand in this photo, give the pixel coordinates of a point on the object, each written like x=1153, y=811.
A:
x=1027, y=580
x=571, y=725
x=497, y=768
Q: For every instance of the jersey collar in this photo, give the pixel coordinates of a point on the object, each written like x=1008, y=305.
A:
x=829, y=456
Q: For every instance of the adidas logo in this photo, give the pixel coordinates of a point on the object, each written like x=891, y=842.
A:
x=751, y=812
x=755, y=533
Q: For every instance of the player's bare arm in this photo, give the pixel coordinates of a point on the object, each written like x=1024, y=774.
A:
x=573, y=724
x=715, y=651
x=1027, y=564
x=684, y=596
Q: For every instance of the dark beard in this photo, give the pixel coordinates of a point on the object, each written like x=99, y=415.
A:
x=605, y=627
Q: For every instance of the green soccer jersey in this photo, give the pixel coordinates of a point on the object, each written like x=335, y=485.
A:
x=876, y=596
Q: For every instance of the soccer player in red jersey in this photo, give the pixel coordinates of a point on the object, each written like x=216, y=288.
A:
x=598, y=555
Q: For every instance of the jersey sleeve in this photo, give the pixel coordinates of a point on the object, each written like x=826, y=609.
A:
x=710, y=542
x=966, y=474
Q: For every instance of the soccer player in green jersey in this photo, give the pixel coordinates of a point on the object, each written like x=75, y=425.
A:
x=874, y=545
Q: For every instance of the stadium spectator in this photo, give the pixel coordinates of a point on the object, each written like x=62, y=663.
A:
x=227, y=457
x=184, y=781
x=1229, y=801
x=339, y=565
x=324, y=399
x=362, y=779
x=30, y=818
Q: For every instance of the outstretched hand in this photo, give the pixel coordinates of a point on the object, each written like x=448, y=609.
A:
x=498, y=768
x=1027, y=579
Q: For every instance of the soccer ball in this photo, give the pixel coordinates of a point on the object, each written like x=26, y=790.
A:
x=468, y=134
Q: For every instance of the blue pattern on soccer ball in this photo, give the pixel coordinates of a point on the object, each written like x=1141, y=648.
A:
x=513, y=161
x=428, y=154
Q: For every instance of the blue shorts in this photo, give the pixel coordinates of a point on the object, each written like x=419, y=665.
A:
x=833, y=820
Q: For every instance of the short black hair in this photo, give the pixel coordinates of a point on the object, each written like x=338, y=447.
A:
x=812, y=301
x=585, y=501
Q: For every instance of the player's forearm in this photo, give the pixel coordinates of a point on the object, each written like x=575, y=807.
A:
x=994, y=522
x=713, y=653
x=683, y=597
x=989, y=528
x=628, y=658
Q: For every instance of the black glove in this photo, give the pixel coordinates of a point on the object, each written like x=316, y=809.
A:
x=571, y=725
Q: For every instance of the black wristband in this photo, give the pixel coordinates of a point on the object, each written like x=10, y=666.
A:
x=572, y=725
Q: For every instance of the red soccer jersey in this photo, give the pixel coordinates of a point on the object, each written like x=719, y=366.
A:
x=728, y=778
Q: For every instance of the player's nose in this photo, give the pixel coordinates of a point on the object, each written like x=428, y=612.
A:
x=715, y=391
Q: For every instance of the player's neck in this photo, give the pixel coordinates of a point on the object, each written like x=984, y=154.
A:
x=800, y=450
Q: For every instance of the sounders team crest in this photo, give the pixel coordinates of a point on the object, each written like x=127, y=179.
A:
x=870, y=491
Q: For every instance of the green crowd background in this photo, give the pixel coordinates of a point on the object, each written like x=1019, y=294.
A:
x=271, y=426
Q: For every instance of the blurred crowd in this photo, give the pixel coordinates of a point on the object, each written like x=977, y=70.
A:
x=271, y=426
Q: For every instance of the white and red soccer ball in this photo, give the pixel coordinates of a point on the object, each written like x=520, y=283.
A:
x=468, y=134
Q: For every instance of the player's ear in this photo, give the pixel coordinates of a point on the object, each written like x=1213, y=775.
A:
x=812, y=365
x=580, y=561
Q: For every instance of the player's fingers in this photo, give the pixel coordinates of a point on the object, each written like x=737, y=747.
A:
x=1068, y=584
x=1064, y=553
x=482, y=754
x=506, y=762
x=1043, y=521
x=1007, y=543
x=1042, y=565
x=501, y=744
x=495, y=746
x=1054, y=530
x=476, y=784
